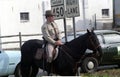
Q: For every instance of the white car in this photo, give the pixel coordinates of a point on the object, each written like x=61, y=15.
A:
x=9, y=62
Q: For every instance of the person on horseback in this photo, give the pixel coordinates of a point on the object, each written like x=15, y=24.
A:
x=51, y=34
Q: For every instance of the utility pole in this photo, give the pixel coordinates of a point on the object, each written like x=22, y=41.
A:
x=84, y=18
x=95, y=22
x=114, y=25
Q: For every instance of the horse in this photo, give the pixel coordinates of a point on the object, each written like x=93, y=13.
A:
x=69, y=54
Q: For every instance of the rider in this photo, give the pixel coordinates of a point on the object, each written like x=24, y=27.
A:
x=51, y=34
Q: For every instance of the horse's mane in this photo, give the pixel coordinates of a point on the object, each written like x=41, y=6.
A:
x=77, y=45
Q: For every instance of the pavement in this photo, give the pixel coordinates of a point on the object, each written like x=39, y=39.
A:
x=44, y=74
x=40, y=73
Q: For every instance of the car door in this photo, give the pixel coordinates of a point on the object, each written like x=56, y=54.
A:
x=3, y=63
x=111, y=48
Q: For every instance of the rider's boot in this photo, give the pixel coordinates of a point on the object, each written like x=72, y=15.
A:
x=49, y=65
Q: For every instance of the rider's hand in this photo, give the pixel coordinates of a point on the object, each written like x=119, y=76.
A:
x=58, y=43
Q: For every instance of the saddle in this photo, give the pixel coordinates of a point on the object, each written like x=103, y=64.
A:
x=41, y=53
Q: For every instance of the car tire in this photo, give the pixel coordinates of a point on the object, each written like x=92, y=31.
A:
x=17, y=71
x=89, y=65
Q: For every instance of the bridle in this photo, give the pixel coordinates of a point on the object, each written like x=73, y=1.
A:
x=76, y=63
x=92, y=42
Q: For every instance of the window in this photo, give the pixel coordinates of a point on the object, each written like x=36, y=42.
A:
x=110, y=40
x=24, y=16
x=105, y=12
x=100, y=39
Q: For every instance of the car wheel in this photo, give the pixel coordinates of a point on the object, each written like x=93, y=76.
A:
x=89, y=65
x=17, y=71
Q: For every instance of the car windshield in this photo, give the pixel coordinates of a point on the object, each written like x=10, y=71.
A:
x=100, y=39
x=70, y=37
x=110, y=40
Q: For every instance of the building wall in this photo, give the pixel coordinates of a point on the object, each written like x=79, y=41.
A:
x=94, y=8
x=88, y=10
x=10, y=23
x=10, y=16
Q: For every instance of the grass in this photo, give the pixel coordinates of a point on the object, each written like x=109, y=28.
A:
x=103, y=73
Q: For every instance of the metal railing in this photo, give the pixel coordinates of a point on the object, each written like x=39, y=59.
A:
x=15, y=39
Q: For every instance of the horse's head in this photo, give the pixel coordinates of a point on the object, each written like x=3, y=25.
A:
x=93, y=42
x=78, y=46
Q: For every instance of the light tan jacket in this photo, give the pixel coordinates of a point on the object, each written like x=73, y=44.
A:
x=49, y=32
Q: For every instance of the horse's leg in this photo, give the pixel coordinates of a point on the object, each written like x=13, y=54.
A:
x=34, y=71
x=25, y=70
x=26, y=63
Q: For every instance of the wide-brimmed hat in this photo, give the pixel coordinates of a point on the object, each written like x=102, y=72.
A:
x=49, y=13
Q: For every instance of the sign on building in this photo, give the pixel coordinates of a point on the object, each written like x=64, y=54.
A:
x=65, y=8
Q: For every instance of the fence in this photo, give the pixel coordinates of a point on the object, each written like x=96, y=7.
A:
x=14, y=42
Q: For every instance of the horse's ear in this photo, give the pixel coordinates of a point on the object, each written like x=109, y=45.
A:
x=88, y=31
x=92, y=30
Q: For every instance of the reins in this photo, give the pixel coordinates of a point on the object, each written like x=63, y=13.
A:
x=95, y=47
x=75, y=68
x=63, y=49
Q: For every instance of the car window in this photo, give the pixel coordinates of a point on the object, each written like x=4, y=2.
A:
x=69, y=38
x=100, y=39
x=112, y=38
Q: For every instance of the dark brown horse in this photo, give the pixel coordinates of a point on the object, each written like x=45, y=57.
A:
x=65, y=63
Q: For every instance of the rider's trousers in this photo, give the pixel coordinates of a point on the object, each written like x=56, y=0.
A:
x=49, y=50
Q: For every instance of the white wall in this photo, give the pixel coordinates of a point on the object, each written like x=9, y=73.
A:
x=95, y=7
x=10, y=15
x=88, y=11
x=10, y=23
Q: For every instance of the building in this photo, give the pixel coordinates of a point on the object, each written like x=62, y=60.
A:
x=20, y=16
x=26, y=16
x=99, y=13
x=93, y=13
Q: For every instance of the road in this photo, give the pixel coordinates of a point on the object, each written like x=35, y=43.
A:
x=40, y=73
